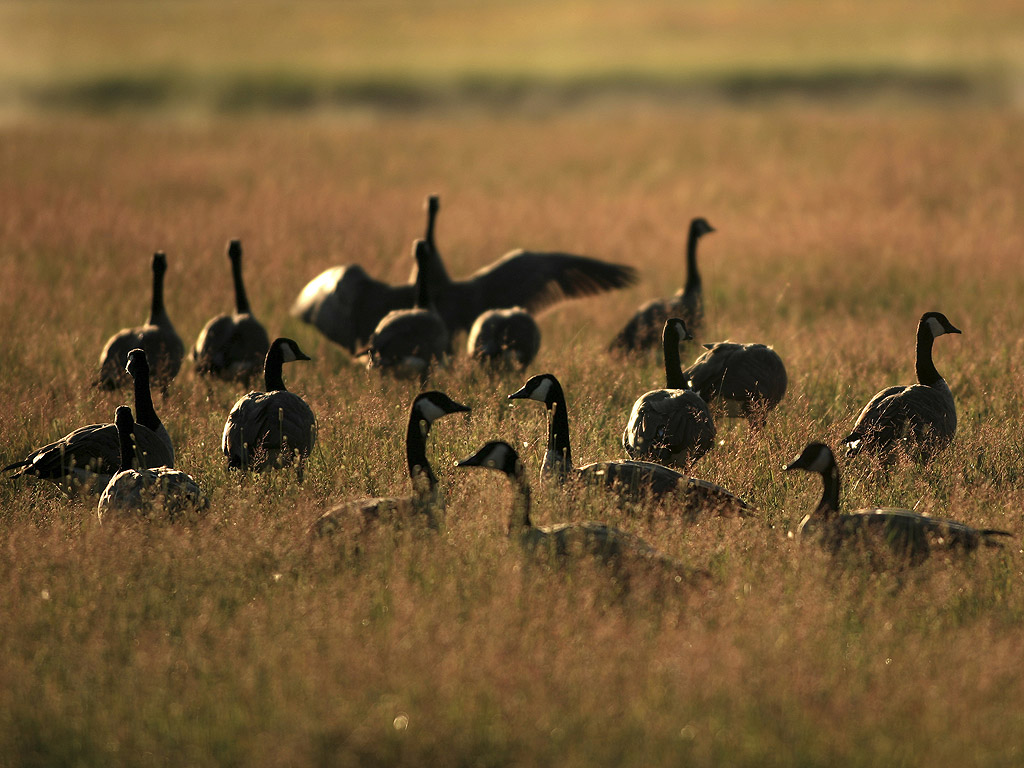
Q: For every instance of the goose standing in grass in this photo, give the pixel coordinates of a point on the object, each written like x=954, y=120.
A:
x=630, y=479
x=408, y=342
x=426, y=500
x=267, y=429
x=908, y=534
x=674, y=425
x=345, y=304
x=504, y=338
x=919, y=419
x=154, y=492
x=748, y=380
x=162, y=343
x=232, y=347
x=86, y=459
x=643, y=331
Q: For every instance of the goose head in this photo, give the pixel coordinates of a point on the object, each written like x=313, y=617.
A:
x=544, y=388
x=815, y=457
x=159, y=263
x=936, y=324
x=675, y=331
x=497, y=455
x=700, y=227
x=138, y=364
x=289, y=350
x=431, y=406
x=235, y=250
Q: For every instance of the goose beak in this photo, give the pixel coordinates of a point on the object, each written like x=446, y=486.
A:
x=519, y=394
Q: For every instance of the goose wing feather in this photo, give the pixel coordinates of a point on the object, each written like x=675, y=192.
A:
x=748, y=374
x=408, y=334
x=265, y=428
x=923, y=412
x=164, y=350
x=160, y=489
x=672, y=426
x=231, y=346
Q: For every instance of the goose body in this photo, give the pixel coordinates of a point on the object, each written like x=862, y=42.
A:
x=269, y=429
x=630, y=479
x=643, y=331
x=86, y=459
x=157, y=337
x=425, y=501
x=508, y=337
x=748, y=380
x=346, y=304
x=919, y=419
x=232, y=346
x=673, y=425
x=407, y=342
x=155, y=492
x=906, y=534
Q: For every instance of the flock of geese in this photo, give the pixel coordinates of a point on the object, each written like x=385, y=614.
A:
x=407, y=330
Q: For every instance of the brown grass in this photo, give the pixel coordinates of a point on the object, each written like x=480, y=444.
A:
x=237, y=641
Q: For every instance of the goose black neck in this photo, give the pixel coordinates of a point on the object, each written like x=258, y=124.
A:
x=438, y=271
x=692, y=275
x=519, y=519
x=157, y=311
x=273, y=369
x=241, y=299
x=416, y=450
x=558, y=431
x=422, y=300
x=828, y=507
x=145, y=413
x=674, y=377
x=126, y=437
x=926, y=373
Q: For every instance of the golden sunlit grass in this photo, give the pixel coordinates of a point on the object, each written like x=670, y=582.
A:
x=239, y=641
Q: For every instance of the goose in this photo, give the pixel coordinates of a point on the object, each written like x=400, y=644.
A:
x=908, y=534
x=345, y=303
x=598, y=539
x=509, y=337
x=162, y=343
x=152, y=491
x=407, y=342
x=631, y=479
x=920, y=418
x=87, y=458
x=748, y=380
x=266, y=429
x=643, y=330
x=673, y=425
x=426, y=499
x=232, y=346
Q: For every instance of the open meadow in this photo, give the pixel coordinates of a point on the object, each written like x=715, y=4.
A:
x=237, y=639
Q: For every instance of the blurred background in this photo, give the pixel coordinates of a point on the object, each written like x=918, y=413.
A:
x=226, y=55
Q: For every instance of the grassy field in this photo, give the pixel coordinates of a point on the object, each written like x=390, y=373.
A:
x=238, y=640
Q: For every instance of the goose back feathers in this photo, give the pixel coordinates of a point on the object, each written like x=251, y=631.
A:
x=674, y=425
x=270, y=429
x=919, y=419
x=157, y=337
x=346, y=304
x=232, y=346
x=643, y=331
x=748, y=380
x=426, y=500
x=907, y=534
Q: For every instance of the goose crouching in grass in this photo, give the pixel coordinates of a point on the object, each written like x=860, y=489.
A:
x=85, y=460
x=232, y=347
x=633, y=480
x=748, y=380
x=270, y=429
x=408, y=342
x=504, y=338
x=908, y=535
x=426, y=500
x=154, y=493
x=917, y=420
x=162, y=343
x=674, y=425
x=643, y=331
x=345, y=304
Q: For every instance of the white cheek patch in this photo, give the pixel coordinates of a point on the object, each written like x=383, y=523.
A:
x=542, y=390
x=288, y=354
x=680, y=329
x=821, y=463
x=935, y=327
x=429, y=410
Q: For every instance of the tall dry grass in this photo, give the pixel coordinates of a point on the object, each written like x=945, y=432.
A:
x=237, y=640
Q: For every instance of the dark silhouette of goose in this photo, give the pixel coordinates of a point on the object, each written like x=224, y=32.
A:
x=504, y=338
x=269, y=429
x=345, y=303
x=154, y=492
x=917, y=420
x=408, y=342
x=86, y=459
x=907, y=534
x=426, y=499
x=232, y=346
x=635, y=480
x=673, y=425
x=157, y=337
x=747, y=380
x=643, y=331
